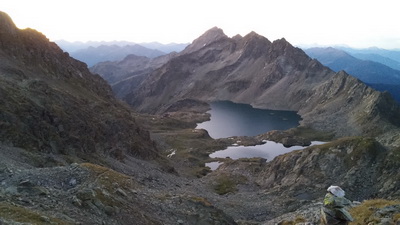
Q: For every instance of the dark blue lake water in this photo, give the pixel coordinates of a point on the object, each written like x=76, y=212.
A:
x=232, y=119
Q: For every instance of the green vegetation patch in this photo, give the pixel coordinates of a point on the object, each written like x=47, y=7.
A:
x=226, y=183
x=353, y=149
x=311, y=134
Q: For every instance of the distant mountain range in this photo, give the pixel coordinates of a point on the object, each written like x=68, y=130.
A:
x=93, y=55
x=377, y=75
x=378, y=58
x=95, y=52
x=77, y=45
x=273, y=75
x=375, y=53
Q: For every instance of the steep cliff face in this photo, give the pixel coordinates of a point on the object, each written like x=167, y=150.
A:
x=50, y=102
x=267, y=75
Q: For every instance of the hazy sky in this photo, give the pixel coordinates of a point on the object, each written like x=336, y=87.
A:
x=357, y=23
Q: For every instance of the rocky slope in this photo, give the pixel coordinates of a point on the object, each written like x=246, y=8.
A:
x=391, y=88
x=298, y=180
x=51, y=103
x=270, y=75
x=56, y=117
x=87, y=193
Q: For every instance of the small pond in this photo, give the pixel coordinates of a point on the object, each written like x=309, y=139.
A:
x=268, y=151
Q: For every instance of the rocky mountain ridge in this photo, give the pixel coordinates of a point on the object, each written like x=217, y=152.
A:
x=270, y=75
x=51, y=102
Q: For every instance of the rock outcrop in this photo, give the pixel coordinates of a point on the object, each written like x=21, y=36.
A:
x=269, y=75
x=363, y=167
x=297, y=181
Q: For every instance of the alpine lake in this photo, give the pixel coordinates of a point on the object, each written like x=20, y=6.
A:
x=230, y=119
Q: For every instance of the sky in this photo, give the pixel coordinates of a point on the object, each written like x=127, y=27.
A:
x=354, y=23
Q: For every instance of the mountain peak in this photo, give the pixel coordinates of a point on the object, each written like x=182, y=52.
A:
x=210, y=36
x=213, y=33
x=237, y=37
x=7, y=26
x=253, y=34
x=283, y=46
x=282, y=42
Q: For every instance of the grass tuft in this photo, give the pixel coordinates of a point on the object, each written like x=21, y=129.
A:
x=227, y=183
x=363, y=214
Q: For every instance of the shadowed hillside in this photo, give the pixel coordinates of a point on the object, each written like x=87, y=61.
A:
x=51, y=102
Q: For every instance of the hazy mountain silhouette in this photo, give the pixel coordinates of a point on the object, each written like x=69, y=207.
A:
x=378, y=58
x=78, y=45
x=93, y=55
x=376, y=74
x=365, y=70
x=391, y=54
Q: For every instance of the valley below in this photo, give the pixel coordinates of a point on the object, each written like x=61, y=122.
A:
x=75, y=149
x=291, y=186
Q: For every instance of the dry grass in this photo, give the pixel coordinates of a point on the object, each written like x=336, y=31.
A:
x=362, y=214
x=20, y=214
x=201, y=200
x=110, y=178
